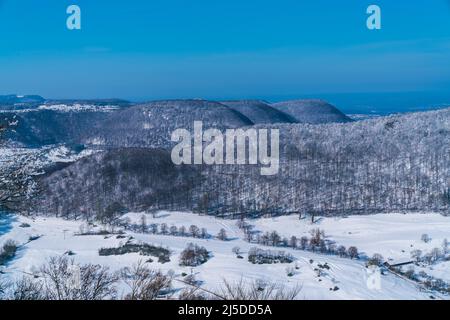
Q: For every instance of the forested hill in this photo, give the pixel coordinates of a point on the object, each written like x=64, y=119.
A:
x=395, y=163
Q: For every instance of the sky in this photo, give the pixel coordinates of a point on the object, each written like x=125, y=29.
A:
x=155, y=49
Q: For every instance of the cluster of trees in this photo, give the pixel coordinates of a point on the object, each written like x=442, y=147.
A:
x=317, y=242
x=163, y=229
x=194, y=255
x=145, y=249
x=428, y=281
x=435, y=284
x=430, y=258
x=435, y=255
x=260, y=256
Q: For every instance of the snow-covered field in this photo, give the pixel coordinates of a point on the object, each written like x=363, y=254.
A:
x=393, y=236
x=385, y=234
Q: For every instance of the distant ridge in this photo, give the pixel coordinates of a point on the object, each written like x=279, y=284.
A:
x=36, y=121
x=151, y=124
x=93, y=102
x=259, y=112
x=312, y=111
x=13, y=99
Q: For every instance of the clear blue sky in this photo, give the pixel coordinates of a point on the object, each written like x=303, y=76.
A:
x=149, y=49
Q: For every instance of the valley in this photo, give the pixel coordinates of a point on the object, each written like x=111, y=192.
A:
x=342, y=278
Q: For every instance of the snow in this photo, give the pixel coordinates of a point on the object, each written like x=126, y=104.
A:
x=77, y=107
x=62, y=154
x=38, y=158
x=58, y=237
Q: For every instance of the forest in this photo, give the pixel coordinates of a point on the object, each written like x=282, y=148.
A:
x=395, y=163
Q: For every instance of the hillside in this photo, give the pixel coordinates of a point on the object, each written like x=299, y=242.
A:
x=50, y=125
x=107, y=183
x=15, y=102
x=371, y=166
x=47, y=122
x=151, y=124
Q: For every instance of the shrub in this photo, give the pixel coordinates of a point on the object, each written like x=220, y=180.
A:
x=145, y=249
x=425, y=238
x=33, y=238
x=260, y=256
x=376, y=260
x=8, y=251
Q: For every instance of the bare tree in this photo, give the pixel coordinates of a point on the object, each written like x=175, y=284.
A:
x=445, y=246
x=194, y=231
x=435, y=254
x=342, y=251
x=353, y=252
x=173, y=230
x=257, y=290
x=194, y=293
x=164, y=228
x=143, y=225
x=144, y=283
x=304, y=242
x=376, y=260
x=154, y=228
x=293, y=242
x=28, y=289
x=3, y=288
x=222, y=235
x=317, y=239
x=274, y=238
x=416, y=255
x=93, y=282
